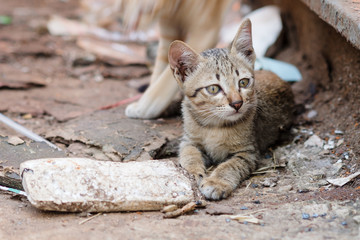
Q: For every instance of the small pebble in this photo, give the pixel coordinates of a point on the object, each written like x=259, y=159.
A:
x=344, y=223
x=227, y=220
x=305, y=216
x=303, y=190
x=330, y=145
x=308, y=229
x=323, y=215
x=341, y=141
x=314, y=141
x=315, y=215
x=339, y=132
x=243, y=208
x=245, y=222
x=268, y=156
x=311, y=114
x=357, y=219
x=256, y=202
x=84, y=214
x=254, y=185
x=14, y=140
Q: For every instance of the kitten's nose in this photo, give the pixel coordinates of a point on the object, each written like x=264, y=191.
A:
x=236, y=105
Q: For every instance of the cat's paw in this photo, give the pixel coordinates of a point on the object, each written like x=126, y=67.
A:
x=132, y=110
x=139, y=110
x=215, y=188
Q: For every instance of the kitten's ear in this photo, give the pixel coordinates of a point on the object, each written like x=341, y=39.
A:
x=183, y=60
x=242, y=43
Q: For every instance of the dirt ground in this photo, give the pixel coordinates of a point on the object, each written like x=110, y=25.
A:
x=58, y=90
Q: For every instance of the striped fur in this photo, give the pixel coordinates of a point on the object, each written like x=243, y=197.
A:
x=229, y=129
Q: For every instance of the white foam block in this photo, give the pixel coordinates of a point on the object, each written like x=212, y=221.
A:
x=79, y=184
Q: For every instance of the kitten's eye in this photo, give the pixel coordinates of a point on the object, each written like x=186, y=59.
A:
x=243, y=82
x=213, y=89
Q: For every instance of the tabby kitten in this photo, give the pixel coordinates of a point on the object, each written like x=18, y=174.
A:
x=231, y=113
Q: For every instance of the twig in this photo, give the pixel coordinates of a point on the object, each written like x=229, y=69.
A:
x=261, y=172
x=89, y=218
x=187, y=208
x=268, y=169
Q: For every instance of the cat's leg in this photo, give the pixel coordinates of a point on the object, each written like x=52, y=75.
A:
x=163, y=86
x=160, y=93
x=190, y=158
x=227, y=176
x=156, y=98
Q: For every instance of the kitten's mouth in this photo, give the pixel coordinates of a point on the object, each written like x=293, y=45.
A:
x=235, y=112
x=234, y=115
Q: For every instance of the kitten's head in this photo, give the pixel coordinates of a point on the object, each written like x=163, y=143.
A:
x=218, y=83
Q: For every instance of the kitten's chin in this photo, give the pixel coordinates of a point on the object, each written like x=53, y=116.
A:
x=233, y=116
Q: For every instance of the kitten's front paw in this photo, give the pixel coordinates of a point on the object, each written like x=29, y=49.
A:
x=215, y=188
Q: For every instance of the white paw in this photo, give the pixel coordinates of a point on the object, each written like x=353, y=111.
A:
x=215, y=189
x=143, y=110
x=132, y=110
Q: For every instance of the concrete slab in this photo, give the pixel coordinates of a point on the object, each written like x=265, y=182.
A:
x=343, y=15
x=85, y=185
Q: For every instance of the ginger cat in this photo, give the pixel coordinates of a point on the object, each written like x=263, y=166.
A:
x=231, y=113
x=195, y=22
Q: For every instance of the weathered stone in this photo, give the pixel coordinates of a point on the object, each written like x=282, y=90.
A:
x=15, y=140
x=314, y=141
x=343, y=15
x=80, y=184
x=344, y=180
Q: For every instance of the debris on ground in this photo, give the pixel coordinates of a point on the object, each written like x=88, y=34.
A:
x=169, y=208
x=344, y=180
x=185, y=209
x=15, y=140
x=219, y=209
x=246, y=219
x=166, y=150
x=13, y=190
x=9, y=178
x=270, y=182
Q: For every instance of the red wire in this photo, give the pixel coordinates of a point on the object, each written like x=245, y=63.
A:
x=122, y=102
